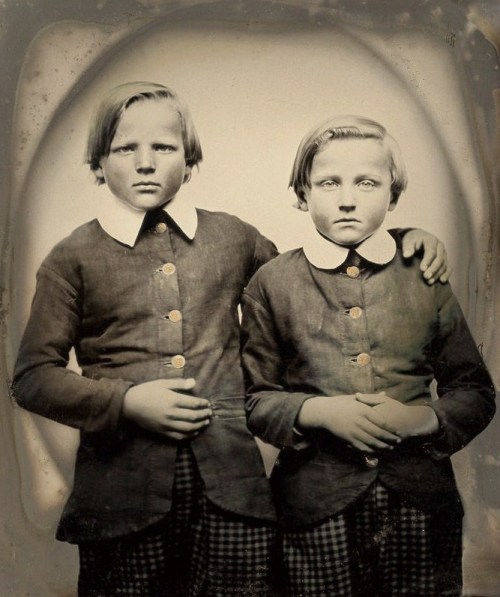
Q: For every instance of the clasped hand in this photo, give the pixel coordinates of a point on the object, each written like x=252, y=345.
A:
x=159, y=406
x=407, y=420
x=368, y=422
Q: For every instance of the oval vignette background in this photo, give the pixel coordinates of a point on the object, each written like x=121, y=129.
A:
x=256, y=76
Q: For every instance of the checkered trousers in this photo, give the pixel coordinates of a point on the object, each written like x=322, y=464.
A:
x=198, y=549
x=379, y=547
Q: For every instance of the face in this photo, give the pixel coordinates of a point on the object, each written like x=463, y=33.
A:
x=350, y=191
x=146, y=164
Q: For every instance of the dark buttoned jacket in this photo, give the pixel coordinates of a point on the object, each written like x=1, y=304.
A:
x=358, y=328
x=166, y=308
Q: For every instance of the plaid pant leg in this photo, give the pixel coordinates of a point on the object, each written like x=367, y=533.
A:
x=135, y=566
x=408, y=554
x=231, y=555
x=152, y=562
x=365, y=518
x=317, y=560
x=380, y=547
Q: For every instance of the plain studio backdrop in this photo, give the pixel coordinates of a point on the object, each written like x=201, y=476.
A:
x=254, y=87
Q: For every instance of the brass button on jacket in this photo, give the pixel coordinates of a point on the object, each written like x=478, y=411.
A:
x=178, y=361
x=160, y=228
x=355, y=312
x=175, y=316
x=363, y=359
x=168, y=269
x=352, y=271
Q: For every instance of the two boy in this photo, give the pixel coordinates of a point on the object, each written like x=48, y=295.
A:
x=170, y=495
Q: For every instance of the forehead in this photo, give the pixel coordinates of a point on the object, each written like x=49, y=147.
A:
x=149, y=116
x=352, y=154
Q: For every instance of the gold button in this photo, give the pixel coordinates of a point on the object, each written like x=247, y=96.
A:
x=355, y=312
x=175, y=316
x=168, y=269
x=363, y=359
x=178, y=361
x=371, y=461
x=160, y=228
x=352, y=271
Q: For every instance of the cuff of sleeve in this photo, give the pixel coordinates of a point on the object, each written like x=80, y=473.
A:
x=437, y=445
x=300, y=441
x=109, y=413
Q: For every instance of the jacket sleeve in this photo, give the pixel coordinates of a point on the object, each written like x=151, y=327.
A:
x=466, y=393
x=271, y=409
x=42, y=383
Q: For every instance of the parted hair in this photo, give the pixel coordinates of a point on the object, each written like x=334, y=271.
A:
x=116, y=101
x=346, y=127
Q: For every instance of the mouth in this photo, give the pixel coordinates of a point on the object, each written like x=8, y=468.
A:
x=347, y=221
x=146, y=186
x=146, y=183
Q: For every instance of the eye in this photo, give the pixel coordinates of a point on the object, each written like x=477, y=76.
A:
x=367, y=185
x=164, y=148
x=329, y=185
x=123, y=149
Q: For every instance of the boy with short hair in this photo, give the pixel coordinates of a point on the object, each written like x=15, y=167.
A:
x=170, y=495
x=338, y=377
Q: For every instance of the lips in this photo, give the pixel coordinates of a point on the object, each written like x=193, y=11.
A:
x=347, y=221
x=146, y=183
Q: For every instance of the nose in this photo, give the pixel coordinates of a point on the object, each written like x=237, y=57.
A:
x=145, y=161
x=346, y=200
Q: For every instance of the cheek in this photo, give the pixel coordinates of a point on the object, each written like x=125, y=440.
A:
x=319, y=215
x=380, y=214
x=114, y=172
x=175, y=171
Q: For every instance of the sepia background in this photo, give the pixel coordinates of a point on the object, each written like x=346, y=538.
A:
x=257, y=76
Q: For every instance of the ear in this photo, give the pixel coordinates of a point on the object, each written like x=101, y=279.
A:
x=393, y=202
x=187, y=174
x=301, y=202
x=99, y=172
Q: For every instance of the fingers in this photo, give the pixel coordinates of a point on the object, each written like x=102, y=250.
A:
x=190, y=402
x=366, y=441
x=178, y=383
x=190, y=415
x=370, y=437
x=372, y=399
x=433, y=262
x=445, y=276
x=410, y=245
x=375, y=416
x=433, y=255
x=359, y=445
x=377, y=428
x=179, y=429
x=182, y=426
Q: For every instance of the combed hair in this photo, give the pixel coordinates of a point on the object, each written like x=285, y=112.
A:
x=346, y=127
x=116, y=101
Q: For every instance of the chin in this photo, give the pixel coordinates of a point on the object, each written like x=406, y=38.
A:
x=148, y=204
x=345, y=239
